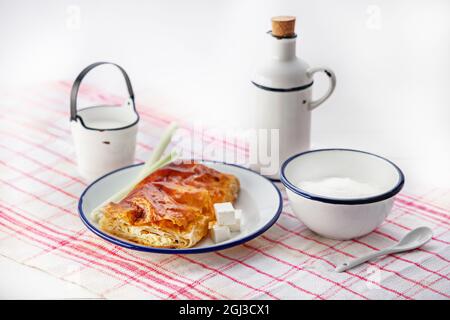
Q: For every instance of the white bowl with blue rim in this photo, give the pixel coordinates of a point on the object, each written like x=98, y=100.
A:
x=348, y=216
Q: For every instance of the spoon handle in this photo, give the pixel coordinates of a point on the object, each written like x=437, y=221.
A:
x=356, y=262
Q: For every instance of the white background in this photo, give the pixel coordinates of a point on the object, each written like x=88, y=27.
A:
x=391, y=58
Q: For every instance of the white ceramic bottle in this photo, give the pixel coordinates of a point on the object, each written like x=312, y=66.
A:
x=282, y=88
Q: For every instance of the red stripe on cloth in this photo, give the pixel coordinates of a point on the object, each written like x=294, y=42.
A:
x=369, y=280
x=42, y=143
x=331, y=248
x=408, y=279
x=349, y=282
x=134, y=258
x=402, y=259
x=268, y=275
x=426, y=211
x=191, y=284
x=422, y=219
x=36, y=197
x=380, y=285
x=39, y=180
x=385, y=235
x=38, y=170
x=371, y=263
x=228, y=276
x=353, y=274
x=146, y=147
x=26, y=115
x=268, y=285
x=31, y=125
x=223, y=268
x=59, y=172
x=424, y=204
x=289, y=214
x=375, y=264
x=328, y=247
x=109, y=252
x=415, y=282
x=334, y=290
x=298, y=250
x=88, y=262
x=431, y=283
x=423, y=215
x=303, y=269
x=90, y=253
x=418, y=249
x=39, y=146
x=408, y=229
x=45, y=105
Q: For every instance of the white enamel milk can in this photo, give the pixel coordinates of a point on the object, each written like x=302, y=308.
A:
x=104, y=136
x=282, y=90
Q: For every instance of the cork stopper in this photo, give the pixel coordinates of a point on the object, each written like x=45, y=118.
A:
x=283, y=26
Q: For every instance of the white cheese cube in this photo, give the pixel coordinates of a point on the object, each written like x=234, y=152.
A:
x=220, y=233
x=236, y=226
x=224, y=213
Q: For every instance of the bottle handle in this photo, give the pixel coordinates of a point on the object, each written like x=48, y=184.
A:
x=77, y=83
x=314, y=104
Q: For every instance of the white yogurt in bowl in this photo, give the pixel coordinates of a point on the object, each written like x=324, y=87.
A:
x=341, y=193
x=339, y=187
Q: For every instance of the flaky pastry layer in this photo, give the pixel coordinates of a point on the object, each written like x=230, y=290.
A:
x=171, y=208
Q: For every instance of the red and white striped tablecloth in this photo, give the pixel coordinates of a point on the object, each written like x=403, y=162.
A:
x=40, y=228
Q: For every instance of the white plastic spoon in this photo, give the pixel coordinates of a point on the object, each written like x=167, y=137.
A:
x=412, y=240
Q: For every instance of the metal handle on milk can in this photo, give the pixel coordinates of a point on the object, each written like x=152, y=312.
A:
x=76, y=87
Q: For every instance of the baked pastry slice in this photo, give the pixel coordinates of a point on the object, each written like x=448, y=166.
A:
x=172, y=207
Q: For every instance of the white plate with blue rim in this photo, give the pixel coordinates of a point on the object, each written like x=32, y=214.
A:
x=259, y=199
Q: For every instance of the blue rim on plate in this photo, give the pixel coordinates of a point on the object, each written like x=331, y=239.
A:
x=386, y=195
x=139, y=247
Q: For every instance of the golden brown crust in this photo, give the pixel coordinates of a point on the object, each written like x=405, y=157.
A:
x=172, y=207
